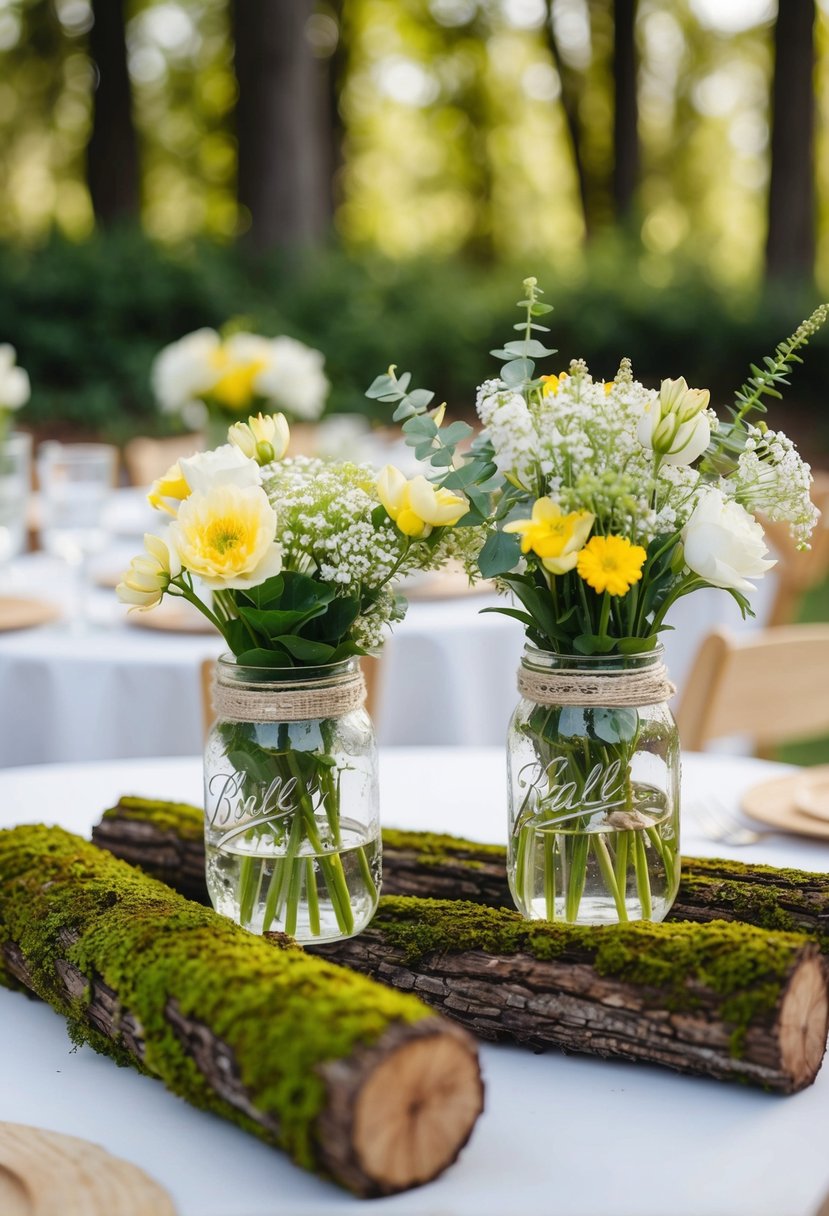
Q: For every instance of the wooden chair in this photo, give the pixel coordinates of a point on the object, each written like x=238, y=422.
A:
x=371, y=673
x=798, y=572
x=146, y=459
x=771, y=685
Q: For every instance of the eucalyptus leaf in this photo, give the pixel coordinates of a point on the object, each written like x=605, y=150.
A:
x=419, y=398
x=517, y=371
x=500, y=554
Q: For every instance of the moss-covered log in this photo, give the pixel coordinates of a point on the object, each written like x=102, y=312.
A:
x=722, y=1000
x=355, y=1081
x=166, y=839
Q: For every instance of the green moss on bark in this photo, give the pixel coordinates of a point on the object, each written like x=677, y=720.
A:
x=281, y=1012
x=744, y=966
x=184, y=821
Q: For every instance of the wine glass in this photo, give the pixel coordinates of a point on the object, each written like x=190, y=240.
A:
x=76, y=480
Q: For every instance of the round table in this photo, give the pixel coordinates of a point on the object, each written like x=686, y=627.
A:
x=562, y=1134
x=118, y=690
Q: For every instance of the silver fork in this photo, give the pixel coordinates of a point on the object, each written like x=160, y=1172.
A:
x=719, y=822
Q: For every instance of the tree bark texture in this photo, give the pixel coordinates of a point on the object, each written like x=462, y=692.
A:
x=626, y=109
x=295, y=1050
x=112, y=170
x=282, y=125
x=166, y=840
x=674, y=995
x=790, y=243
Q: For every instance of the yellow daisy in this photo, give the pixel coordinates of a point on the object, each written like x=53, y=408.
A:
x=611, y=563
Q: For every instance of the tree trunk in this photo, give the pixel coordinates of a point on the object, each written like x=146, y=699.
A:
x=166, y=840
x=356, y=1083
x=626, y=110
x=112, y=171
x=282, y=123
x=571, y=104
x=790, y=244
x=725, y=1001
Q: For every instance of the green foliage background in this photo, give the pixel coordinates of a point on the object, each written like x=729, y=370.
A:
x=88, y=318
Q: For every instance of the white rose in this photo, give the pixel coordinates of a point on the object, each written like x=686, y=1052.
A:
x=678, y=442
x=224, y=466
x=293, y=379
x=724, y=544
x=185, y=370
x=15, y=389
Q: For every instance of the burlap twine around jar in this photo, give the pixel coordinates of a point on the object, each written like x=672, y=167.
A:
x=254, y=703
x=650, y=686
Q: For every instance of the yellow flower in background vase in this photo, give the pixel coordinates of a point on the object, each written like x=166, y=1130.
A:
x=611, y=563
x=237, y=364
x=415, y=505
x=264, y=438
x=553, y=536
x=142, y=586
x=226, y=537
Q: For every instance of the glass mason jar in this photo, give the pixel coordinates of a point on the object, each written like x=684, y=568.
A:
x=292, y=832
x=15, y=484
x=593, y=791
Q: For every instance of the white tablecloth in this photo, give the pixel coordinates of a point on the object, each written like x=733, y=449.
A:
x=565, y=1135
x=448, y=674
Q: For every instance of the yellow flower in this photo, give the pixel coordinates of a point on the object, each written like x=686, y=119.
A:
x=226, y=536
x=149, y=575
x=553, y=383
x=416, y=506
x=264, y=438
x=553, y=536
x=611, y=563
x=236, y=365
x=172, y=485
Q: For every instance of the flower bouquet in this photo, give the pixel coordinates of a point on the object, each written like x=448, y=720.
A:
x=15, y=454
x=215, y=380
x=605, y=503
x=300, y=558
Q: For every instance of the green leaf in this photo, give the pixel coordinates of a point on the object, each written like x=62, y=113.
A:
x=265, y=594
x=305, y=650
x=421, y=425
x=302, y=591
x=341, y=614
x=516, y=613
x=273, y=622
x=540, y=310
x=378, y=515
x=517, y=371
x=381, y=386
x=592, y=643
x=259, y=657
x=636, y=645
x=419, y=398
x=616, y=725
x=500, y=554
x=455, y=432
x=442, y=458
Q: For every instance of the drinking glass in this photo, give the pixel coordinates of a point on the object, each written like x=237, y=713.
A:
x=75, y=483
x=15, y=475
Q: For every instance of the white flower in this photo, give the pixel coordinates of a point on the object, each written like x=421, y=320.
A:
x=724, y=544
x=183, y=371
x=148, y=577
x=263, y=438
x=225, y=465
x=677, y=442
x=226, y=537
x=15, y=389
x=293, y=379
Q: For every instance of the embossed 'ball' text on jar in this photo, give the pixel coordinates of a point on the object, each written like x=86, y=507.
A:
x=593, y=782
x=292, y=832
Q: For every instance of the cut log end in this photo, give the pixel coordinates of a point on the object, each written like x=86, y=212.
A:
x=416, y=1111
x=414, y=1105
x=804, y=1022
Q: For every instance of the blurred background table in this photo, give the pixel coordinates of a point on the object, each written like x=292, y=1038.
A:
x=121, y=688
x=691, y=1146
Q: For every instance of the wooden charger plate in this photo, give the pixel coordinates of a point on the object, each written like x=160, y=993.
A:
x=19, y=613
x=778, y=803
x=47, y=1174
x=172, y=616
